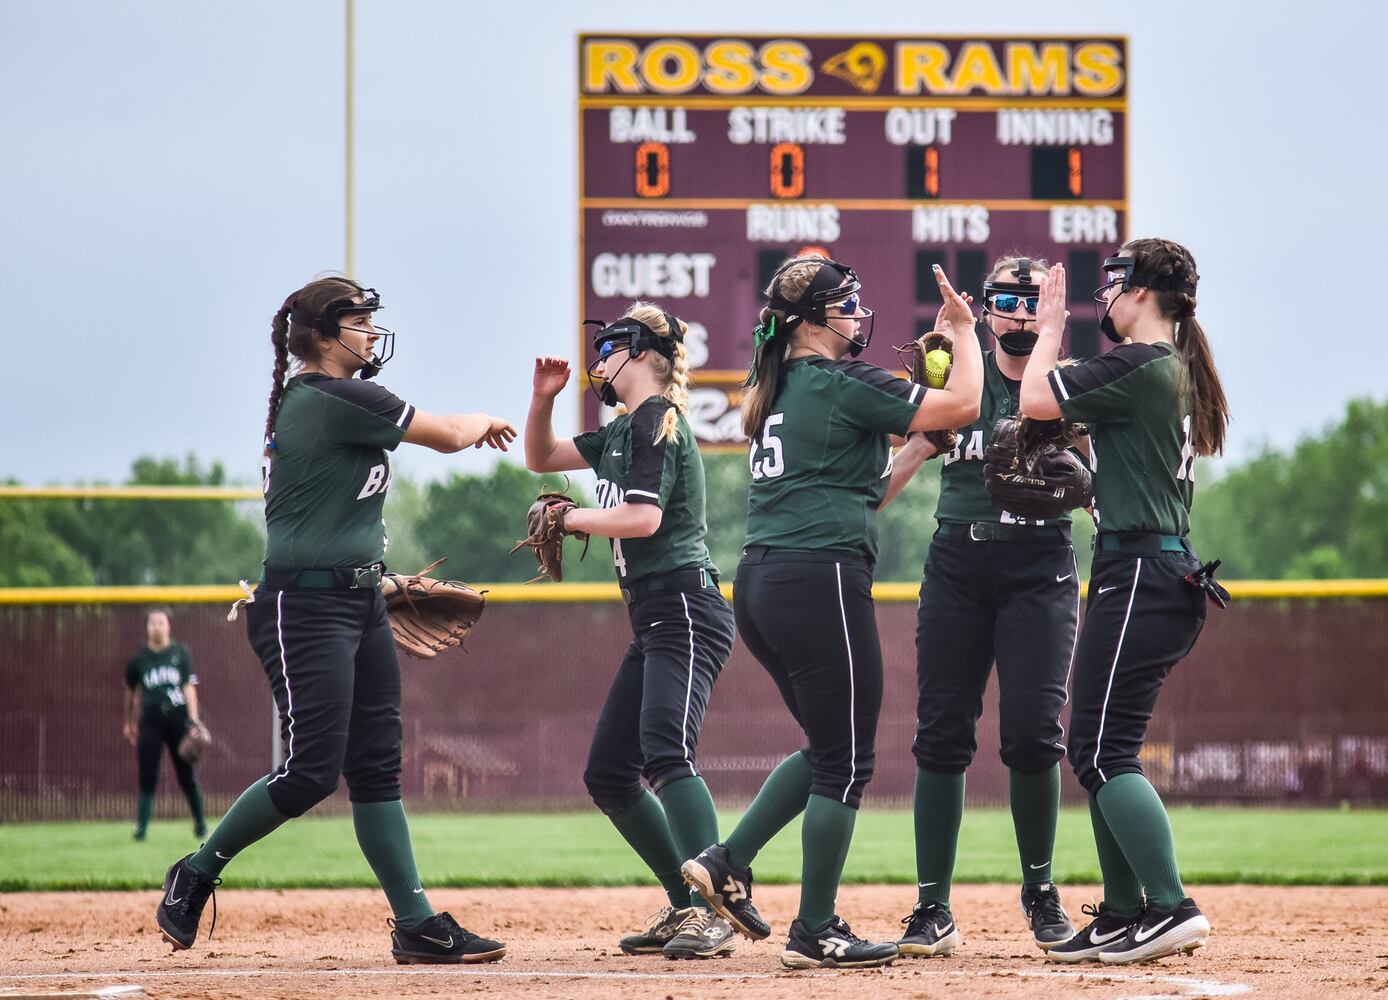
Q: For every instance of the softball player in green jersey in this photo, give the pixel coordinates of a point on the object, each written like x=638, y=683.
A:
x=161, y=702
x=317, y=621
x=821, y=426
x=1152, y=405
x=650, y=492
x=995, y=588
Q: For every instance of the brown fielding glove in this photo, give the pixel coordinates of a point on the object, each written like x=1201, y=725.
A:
x=943, y=440
x=195, y=743
x=545, y=523
x=1029, y=470
x=428, y=616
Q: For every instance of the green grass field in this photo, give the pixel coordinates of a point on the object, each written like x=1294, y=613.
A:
x=1275, y=847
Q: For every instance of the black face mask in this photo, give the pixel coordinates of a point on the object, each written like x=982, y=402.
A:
x=1018, y=343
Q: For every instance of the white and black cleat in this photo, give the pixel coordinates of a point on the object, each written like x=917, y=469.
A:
x=727, y=889
x=1160, y=933
x=930, y=932
x=1105, y=930
x=1050, y=924
x=703, y=934
x=835, y=947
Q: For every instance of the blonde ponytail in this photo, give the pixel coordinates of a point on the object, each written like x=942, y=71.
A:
x=676, y=368
x=676, y=392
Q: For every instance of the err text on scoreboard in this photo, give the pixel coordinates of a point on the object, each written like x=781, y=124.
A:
x=705, y=161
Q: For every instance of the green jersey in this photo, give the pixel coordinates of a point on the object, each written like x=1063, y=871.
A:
x=326, y=478
x=821, y=464
x=963, y=497
x=1139, y=429
x=633, y=467
x=160, y=677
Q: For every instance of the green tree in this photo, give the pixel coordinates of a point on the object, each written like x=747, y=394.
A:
x=475, y=520
x=162, y=541
x=35, y=554
x=1320, y=510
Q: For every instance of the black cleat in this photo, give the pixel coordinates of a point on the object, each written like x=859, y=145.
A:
x=185, y=895
x=1050, y=924
x=727, y=889
x=1159, y=933
x=663, y=926
x=704, y=934
x=835, y=947
x=930, y=932
x=1105, y=930
x=439, y=940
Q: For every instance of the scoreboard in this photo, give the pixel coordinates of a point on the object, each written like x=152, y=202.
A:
x=704, y=161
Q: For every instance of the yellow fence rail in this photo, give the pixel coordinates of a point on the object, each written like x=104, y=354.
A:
x=520, y=593
x=130, y=493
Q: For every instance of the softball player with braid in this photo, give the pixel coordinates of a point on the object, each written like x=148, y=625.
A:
x=821, y=426
x=317, y=621
x=995, y=587
x=651, y=495
x=1152, y=405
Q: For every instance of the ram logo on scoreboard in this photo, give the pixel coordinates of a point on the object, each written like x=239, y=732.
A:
x=706, y=161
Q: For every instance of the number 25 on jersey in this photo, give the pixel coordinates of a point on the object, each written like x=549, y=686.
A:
x=767, y=457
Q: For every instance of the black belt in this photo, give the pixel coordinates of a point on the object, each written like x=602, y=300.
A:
x=996, y=531
x=769, y=554
x=1139, y=543
x=334, y=578
x=681, y=581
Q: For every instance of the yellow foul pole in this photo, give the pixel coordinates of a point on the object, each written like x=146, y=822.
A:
x=351, y=262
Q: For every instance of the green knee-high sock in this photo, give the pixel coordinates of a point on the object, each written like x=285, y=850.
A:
x=645, y=827
x=1135, y=814
x=143, y=810
x=1035, y=800
x=939, y=808
x=693, y=819
x=824, y=838
x=250, y=817
x=195, y=806
x=1122, y=890
x=780, y=800
x=383, y=834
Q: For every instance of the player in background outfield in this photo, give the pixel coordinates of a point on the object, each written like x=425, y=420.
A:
x=995, y=586
x=1152, y=405
x=317, y=620
x=651, y=492
x=821, y=426
x=161, y=702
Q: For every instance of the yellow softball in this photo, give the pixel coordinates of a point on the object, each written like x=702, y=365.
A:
x=937, y=364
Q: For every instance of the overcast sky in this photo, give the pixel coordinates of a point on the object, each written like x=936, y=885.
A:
x=170, y=171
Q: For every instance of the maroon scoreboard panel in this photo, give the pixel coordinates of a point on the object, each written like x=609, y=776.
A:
x=704, y=161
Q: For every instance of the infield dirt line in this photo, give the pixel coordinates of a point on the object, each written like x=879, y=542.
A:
x=1192, y=987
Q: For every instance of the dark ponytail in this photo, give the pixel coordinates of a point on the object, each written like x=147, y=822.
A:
x=1168, y=269
x=297, y=330
x=772, y=340
x=279, y=337
x=764, y=379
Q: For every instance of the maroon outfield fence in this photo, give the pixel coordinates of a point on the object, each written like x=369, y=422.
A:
x=1282, y=701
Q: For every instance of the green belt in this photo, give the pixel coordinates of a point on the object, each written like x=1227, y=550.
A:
x=1138, y=543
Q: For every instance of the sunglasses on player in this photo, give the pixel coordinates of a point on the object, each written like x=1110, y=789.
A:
x=1006, y=303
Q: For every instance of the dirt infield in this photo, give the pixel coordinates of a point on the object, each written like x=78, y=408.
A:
x=1324, y=943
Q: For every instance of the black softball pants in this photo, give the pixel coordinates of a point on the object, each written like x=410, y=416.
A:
x=1016, y=602
x=330, y=658
x=157, y=731
x=809, y=619
x=1141, y=618
x=649, y=724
